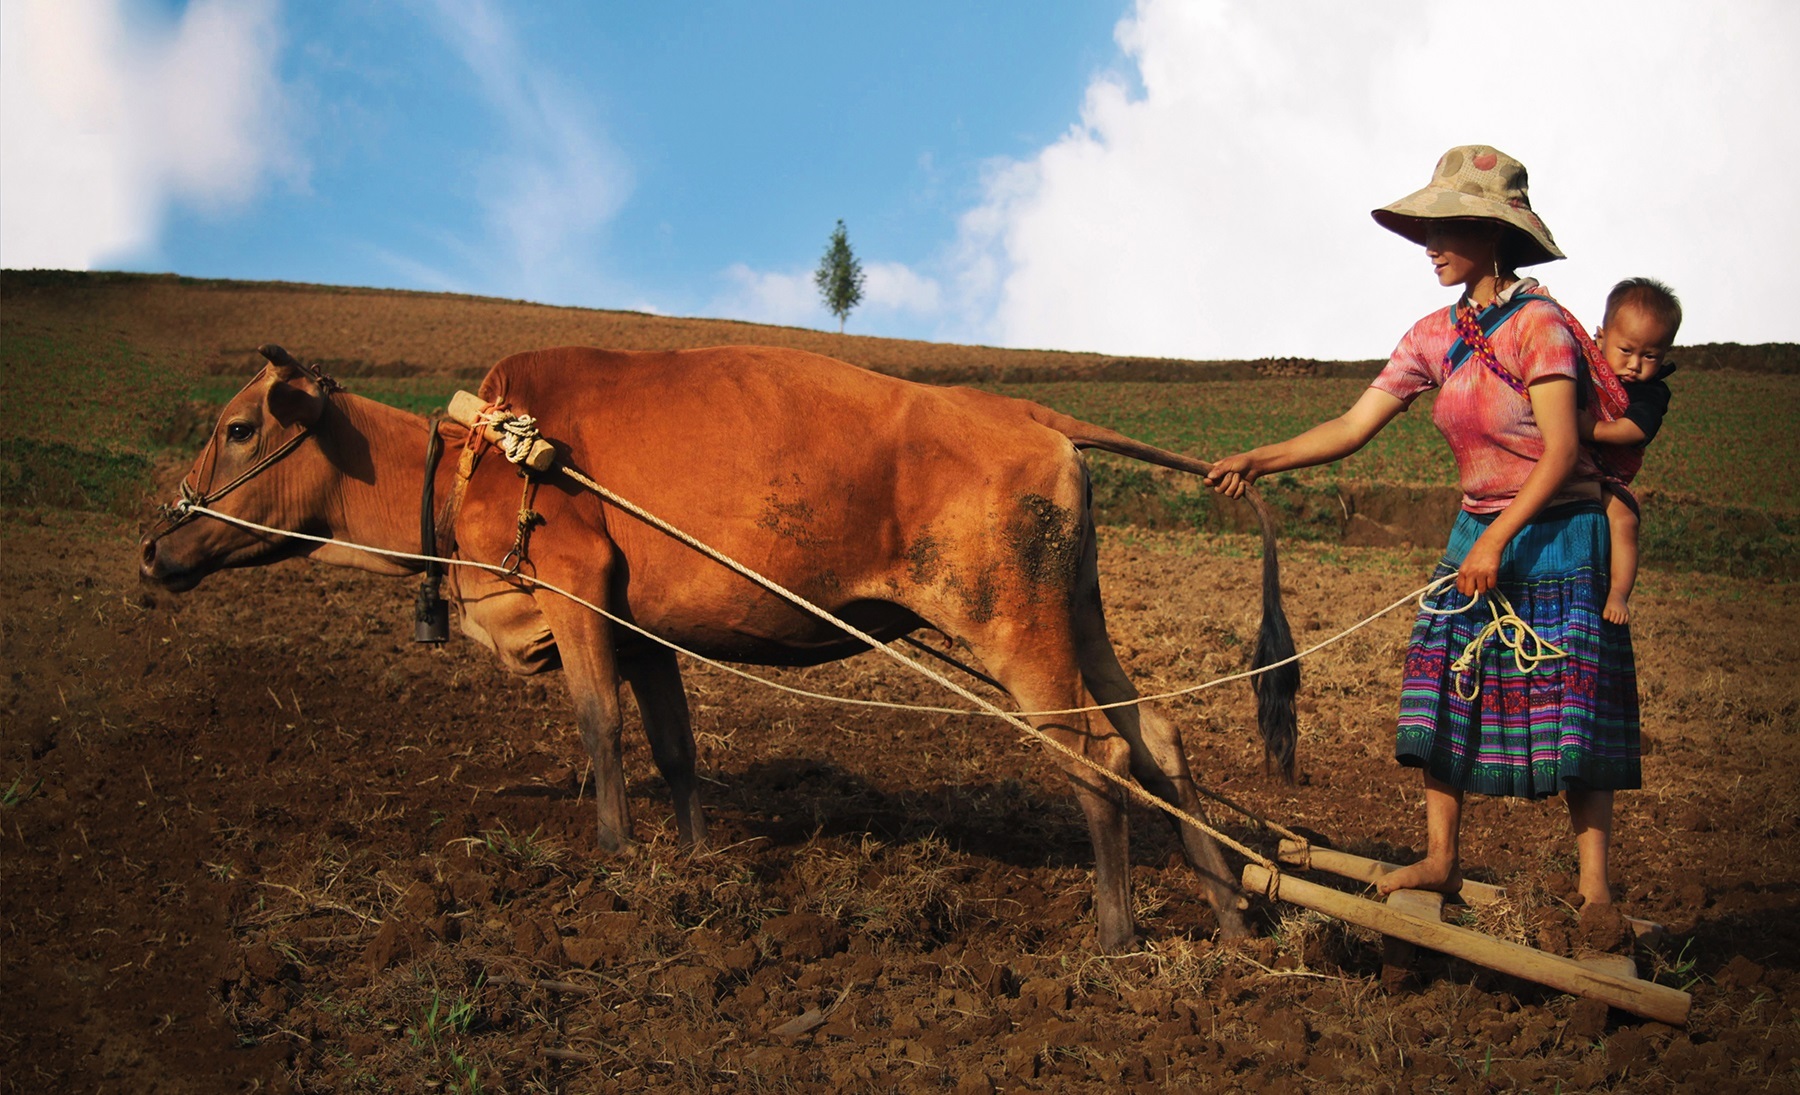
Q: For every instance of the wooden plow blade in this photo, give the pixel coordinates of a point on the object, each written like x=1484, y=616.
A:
x=1414, y=918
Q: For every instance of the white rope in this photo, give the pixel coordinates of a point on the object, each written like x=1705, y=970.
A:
x=517, y=432
x=1418, y=594
x=578, y=599
x=638, y=511
x=1130, y=787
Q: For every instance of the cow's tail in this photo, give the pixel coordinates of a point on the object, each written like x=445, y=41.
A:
x=1276, y=688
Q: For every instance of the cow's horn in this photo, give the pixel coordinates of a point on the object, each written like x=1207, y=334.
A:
x=278, y=356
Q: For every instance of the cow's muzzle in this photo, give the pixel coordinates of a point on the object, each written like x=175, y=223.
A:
x=157, y=567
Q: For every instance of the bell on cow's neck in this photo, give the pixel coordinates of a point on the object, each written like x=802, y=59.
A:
x=431, y=614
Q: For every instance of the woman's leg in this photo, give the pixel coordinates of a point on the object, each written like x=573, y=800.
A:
x=1440, y=869
x=1590, y=815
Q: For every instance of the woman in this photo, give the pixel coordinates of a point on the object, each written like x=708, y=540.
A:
x=1506, y=365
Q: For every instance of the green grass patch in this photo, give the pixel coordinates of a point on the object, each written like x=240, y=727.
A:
x=52, y=474
x=1723, y=475
x=1128, y=493
x=97, y=413
x=90, y=392
x=1729, y=437
x=17, y=792
x=1732, y=541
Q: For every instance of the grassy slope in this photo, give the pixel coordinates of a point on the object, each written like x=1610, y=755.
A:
x=116, y=372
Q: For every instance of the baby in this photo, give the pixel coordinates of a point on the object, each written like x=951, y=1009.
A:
x=1642, y=316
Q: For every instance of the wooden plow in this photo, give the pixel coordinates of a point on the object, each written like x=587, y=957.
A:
x=1414, y=918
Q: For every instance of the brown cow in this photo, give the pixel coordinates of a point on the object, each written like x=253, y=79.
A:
x=897, y=506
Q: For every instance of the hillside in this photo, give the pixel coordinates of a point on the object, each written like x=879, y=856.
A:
x=394, y=333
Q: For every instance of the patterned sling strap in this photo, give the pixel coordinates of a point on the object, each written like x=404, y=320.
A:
x=1473, y=332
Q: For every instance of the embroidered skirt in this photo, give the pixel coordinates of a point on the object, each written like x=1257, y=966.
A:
x=1569, y=722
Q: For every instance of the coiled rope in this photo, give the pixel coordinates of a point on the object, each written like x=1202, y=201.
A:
x=1529, y=649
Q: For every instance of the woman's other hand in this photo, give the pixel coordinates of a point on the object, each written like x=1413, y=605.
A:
x=1480, y=570
x=1233, y=475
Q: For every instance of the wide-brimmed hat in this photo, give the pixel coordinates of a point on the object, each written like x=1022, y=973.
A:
x=1474, y=181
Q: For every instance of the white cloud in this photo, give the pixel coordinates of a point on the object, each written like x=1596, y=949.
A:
x=896, y=287
x=107, y=118
x=1213, y=202
x=761, y=296
x=556, y=183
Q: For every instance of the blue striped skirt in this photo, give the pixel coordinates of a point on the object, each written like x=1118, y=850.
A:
x=1568, y=722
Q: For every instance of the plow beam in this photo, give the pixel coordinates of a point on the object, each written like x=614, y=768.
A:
x=1645, y=998
x=1358, y=868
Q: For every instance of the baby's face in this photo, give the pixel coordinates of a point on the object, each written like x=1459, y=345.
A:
x=1635, y=343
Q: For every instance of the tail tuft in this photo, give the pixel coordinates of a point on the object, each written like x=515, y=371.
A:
x=1275, y=690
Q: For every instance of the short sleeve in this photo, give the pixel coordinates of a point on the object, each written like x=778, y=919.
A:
x=1408, y=371
x=1649, y=403
x=1546, y=345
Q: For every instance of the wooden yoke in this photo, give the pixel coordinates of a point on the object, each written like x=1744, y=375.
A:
x=469, y=409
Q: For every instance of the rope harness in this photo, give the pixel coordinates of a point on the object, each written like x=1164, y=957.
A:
x=516, y=436
x=175, y=514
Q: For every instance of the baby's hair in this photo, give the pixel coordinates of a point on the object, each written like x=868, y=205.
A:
x=1652, y=297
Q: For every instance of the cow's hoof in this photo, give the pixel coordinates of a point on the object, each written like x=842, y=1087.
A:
x=1126, y=942
x=619, y=847
x=1232, y=929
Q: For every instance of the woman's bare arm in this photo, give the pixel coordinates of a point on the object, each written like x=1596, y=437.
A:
x=1553, y=405
x=1328, y=441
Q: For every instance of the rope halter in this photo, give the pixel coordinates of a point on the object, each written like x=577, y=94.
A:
x=173, y=515
x=184, y=509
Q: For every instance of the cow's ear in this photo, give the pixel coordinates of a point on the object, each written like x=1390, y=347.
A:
x=295, y=397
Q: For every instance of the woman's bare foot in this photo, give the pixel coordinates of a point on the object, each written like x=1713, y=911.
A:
x=1442, y=875
x=1617, y=611
x=1601, y=927
x=1598, y=901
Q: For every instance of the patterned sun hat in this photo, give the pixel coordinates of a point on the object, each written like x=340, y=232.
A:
x=1479, y=182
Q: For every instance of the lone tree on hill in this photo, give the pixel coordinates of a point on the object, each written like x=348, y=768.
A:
x=839, y=276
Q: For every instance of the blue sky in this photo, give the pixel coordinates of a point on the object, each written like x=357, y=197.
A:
x=1167, y=177
x=587, y=154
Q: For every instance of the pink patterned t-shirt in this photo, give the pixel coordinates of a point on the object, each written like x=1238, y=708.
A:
x=1489, y=425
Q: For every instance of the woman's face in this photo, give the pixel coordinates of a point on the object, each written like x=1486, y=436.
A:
x=1462, y=252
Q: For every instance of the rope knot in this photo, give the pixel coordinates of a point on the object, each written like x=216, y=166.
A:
x=516, y=432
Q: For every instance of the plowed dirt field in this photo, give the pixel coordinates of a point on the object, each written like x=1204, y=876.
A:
x=263, y=839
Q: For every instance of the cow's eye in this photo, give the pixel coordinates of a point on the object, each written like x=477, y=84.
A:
x=240, y=431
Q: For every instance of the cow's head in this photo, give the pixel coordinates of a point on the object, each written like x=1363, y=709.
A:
x=266, y=463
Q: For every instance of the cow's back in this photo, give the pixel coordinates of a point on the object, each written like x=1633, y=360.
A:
x=841, y=483
x=741, y=413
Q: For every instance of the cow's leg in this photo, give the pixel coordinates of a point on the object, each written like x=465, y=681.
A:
x=655, y=680
x=1157, y=759
x=585, y=642
x=1046, y=678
